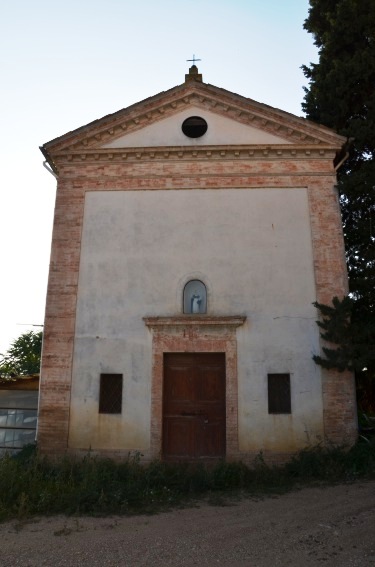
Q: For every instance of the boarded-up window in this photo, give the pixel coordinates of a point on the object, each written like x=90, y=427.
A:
x=110, y=396
x=279, y=393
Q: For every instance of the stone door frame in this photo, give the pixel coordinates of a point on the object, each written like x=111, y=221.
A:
x=194, y=334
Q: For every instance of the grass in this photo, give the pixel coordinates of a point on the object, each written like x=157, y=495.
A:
x=33, y=485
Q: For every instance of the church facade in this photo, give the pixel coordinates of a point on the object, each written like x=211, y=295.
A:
x=192, y=233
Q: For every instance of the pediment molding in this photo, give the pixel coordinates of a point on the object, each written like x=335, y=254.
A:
x=296, y=131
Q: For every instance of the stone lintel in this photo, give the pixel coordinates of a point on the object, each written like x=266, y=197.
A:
x=193, y=320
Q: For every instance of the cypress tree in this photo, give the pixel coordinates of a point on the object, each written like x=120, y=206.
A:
x=341, y=95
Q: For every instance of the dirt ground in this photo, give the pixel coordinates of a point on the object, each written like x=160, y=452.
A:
x=333, y=526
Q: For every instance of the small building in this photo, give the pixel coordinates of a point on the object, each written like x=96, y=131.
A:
x=193, y=231
x=18, y=412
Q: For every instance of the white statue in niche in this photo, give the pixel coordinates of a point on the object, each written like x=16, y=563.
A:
x=195, y=297
x=196, y=301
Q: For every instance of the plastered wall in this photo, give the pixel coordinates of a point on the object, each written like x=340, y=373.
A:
x=252, y=248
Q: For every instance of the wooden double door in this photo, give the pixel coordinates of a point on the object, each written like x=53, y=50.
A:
x=194, y=406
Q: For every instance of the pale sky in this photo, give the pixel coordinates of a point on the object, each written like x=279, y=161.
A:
x=69, y=62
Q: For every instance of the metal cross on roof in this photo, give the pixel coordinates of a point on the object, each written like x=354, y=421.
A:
x=193, y=60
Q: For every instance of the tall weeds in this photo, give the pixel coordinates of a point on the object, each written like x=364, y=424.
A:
x=32, y=485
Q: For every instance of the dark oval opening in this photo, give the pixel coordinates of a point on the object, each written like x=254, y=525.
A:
x=194, y=127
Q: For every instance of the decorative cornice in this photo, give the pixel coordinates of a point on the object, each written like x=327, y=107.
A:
x=194, y=320
x=188, y=153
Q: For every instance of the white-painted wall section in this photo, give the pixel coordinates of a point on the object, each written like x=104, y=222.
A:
x=252, y=248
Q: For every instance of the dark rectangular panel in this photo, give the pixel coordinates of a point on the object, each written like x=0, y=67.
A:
x=110, y=395
x=279, y=393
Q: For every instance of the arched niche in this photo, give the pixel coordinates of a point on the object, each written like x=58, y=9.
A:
x=195, y=298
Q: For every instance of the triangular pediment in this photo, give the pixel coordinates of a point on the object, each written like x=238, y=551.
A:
x=221, y=130
x=232, y=120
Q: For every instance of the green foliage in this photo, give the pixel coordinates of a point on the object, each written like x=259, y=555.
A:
x=341, y=90
x=333, y=464
x=341, y=95
x=32, y=485
x=354, y=349
x=23, y=356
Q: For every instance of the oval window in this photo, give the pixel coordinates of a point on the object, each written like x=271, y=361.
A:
x=194, y=127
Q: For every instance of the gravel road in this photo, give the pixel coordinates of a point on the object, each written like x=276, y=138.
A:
x=333, y=526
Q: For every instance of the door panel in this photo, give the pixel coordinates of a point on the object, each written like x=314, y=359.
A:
x=181, y=385
x=210, y=384
x=180, y=437
x=212, y=440
x=194, y=406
